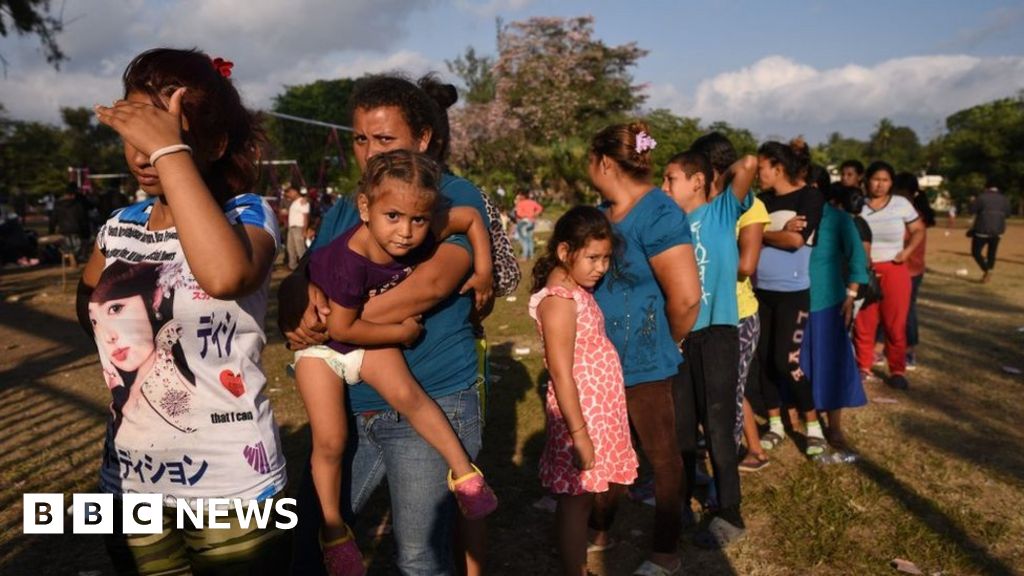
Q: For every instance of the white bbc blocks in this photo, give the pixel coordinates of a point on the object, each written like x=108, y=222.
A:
x=92, y=513
x=43, y=514
x=142, y=513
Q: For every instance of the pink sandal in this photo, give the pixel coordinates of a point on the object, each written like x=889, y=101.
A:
x=475, y=497
x=342, y=556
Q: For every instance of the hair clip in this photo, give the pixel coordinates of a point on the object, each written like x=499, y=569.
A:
x=223, y=66
x=645, y=142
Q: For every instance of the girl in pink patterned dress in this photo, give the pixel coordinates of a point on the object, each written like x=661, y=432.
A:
x=588, y=444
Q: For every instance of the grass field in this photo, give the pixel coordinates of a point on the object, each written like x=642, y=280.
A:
x=940, y=479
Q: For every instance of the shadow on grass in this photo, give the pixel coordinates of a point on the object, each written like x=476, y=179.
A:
x=933, y=517
x=981, y=300
x=973, y=438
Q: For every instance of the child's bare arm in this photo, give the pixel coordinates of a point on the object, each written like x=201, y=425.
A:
x=741, y=174
x=345, y=325
x=467, y=220
x=558, y=321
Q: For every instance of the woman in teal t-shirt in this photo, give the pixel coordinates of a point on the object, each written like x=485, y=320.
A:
x=650, y=301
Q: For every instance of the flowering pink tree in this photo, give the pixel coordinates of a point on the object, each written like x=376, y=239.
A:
x=554, y=86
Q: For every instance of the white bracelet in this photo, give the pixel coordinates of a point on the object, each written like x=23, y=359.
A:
x=173, y=148
x=851, y=293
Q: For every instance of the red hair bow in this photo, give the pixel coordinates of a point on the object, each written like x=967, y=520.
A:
x=223, y=66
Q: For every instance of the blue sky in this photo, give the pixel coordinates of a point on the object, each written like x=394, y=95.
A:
x=782, y=68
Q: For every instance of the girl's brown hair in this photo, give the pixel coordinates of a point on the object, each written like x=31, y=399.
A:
x=618, y=142
x=213, y=109
x=575, y=228
x=406, y=166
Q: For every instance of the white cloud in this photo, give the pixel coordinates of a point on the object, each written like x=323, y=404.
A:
x=259, y=93
x=779, y=96
x=271, y=43
x=40, y=93
x=274, y=35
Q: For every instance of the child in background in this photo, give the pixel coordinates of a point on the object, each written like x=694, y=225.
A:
x=401, y=222
x=706, y=393
x=588, y=444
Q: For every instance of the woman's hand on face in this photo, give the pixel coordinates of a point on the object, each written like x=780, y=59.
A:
x=144, y=126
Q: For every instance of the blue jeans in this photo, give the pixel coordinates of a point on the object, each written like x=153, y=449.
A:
x=524, y=231
x=384, y=445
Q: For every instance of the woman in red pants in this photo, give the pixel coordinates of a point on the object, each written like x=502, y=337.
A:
x=891, y=219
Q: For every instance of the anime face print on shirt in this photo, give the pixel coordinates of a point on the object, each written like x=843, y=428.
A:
x=131, y=314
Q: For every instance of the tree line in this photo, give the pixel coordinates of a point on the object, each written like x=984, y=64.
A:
x=525, y=120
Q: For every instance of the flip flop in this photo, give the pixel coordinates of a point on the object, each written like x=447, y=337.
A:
x=770, y=440
x=816, y=446
x=754, y=462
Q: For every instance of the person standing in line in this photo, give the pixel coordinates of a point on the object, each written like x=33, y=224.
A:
x=749, y=234
x=650, y=302
x=906, y=185
x=838, y=268
x=527, y=209
x=705, y=392
x=783, y=287
x=851, y=173
x=298, y=222
x=588, y=447
x=389, y=112
x=896, y=231
x=990, y=209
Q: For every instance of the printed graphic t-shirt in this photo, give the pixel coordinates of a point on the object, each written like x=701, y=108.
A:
x=631, y=298
x=713, y=229
x=781, y=270
x=189, y=418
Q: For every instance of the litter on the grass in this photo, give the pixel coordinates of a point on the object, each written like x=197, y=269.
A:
x=1011, y=370
x=905, y=566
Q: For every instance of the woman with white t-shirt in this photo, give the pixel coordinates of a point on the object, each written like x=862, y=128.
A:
x=890, y=218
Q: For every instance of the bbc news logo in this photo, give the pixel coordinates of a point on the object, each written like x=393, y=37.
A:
x=144, y=513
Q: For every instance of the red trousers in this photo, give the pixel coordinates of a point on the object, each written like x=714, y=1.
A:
x=893, y=309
